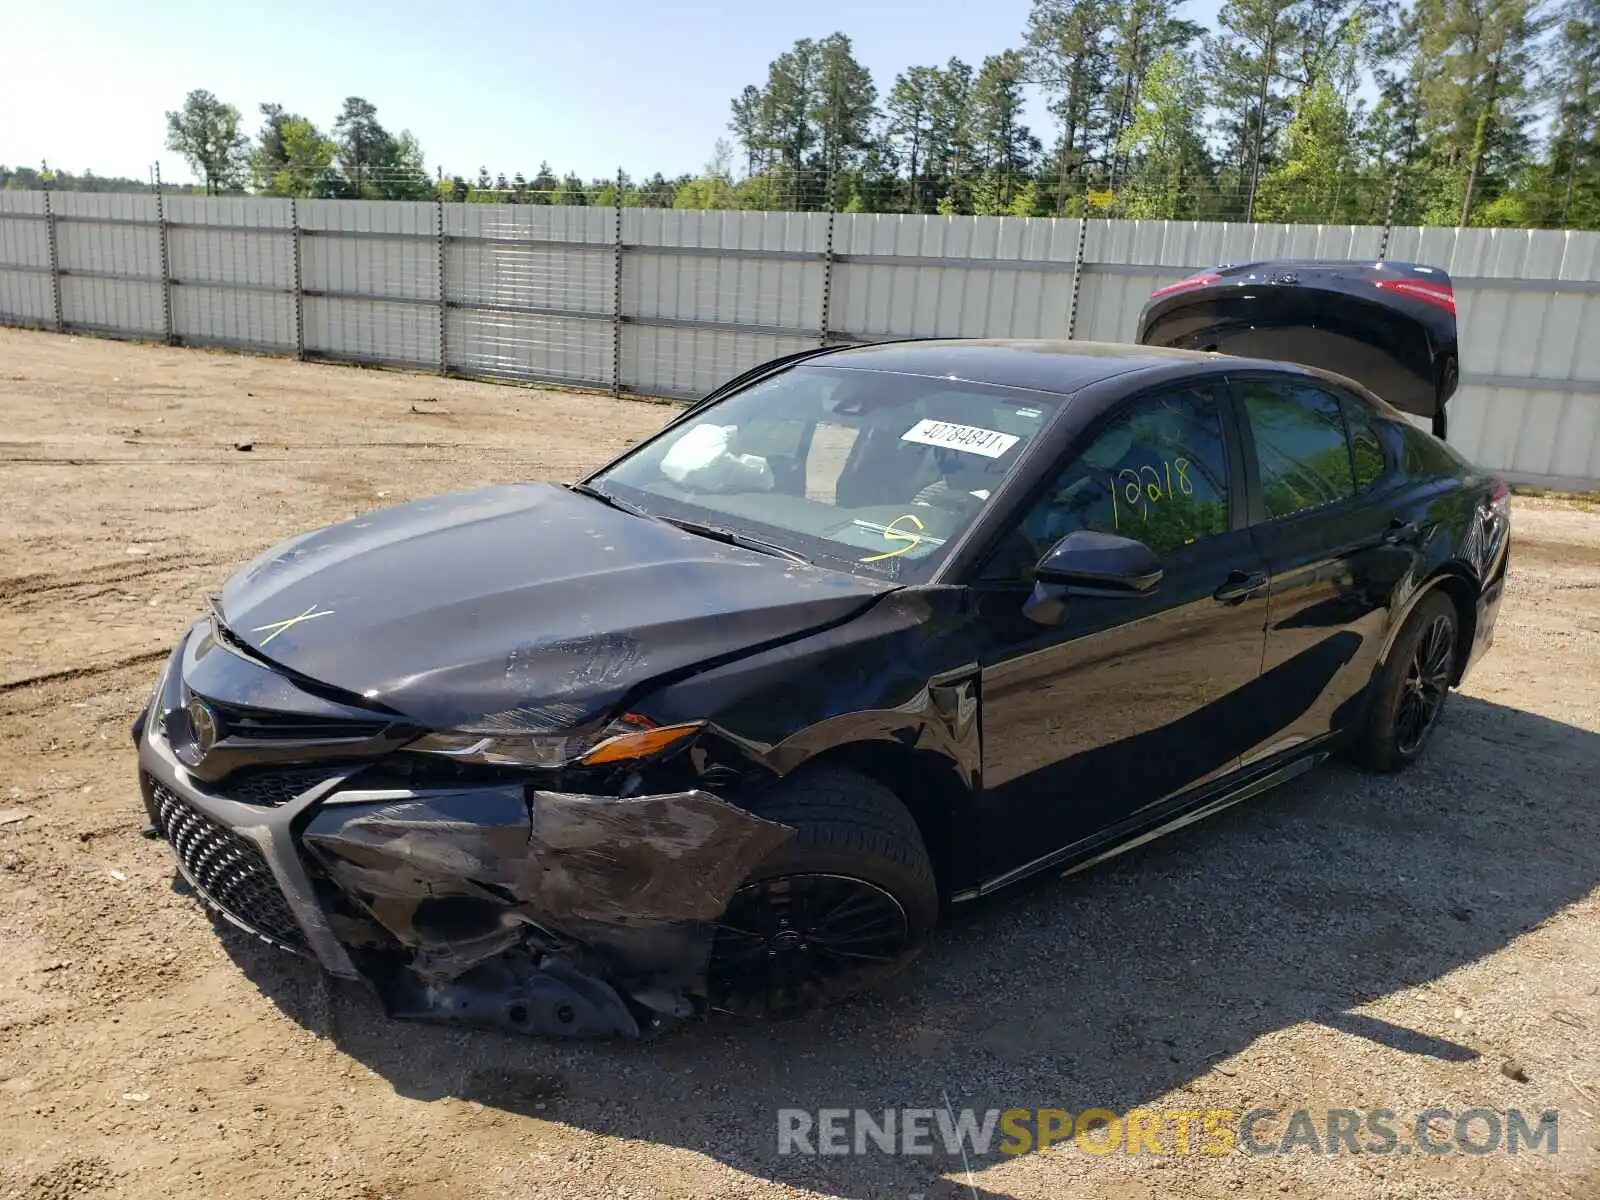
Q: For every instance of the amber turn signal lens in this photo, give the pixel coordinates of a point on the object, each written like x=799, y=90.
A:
x=628, y=746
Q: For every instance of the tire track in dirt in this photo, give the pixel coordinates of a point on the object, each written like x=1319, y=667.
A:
x=46, y=584
x=82, y=671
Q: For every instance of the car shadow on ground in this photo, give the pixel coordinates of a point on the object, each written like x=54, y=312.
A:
x=1109, y=989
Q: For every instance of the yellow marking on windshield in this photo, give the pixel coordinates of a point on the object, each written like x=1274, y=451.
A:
x=893, y=533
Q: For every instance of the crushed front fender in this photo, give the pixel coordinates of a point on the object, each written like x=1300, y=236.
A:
x=541, y=911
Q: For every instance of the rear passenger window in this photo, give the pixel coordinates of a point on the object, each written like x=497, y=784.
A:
x=1302, y=450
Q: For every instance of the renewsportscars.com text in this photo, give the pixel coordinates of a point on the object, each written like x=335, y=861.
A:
x=1213, y=1131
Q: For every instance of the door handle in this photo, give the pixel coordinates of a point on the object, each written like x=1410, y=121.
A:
x=1401, y=531
x=1240, y=585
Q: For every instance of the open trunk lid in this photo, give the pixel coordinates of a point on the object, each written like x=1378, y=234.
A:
x=1389, y=326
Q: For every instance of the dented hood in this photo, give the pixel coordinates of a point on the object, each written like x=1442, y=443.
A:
x=525, y=606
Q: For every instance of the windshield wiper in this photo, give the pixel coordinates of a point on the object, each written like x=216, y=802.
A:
x=731, y=537
x=594, y=493
x=734, y=538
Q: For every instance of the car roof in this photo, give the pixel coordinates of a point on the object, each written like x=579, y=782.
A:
x=1037, y=365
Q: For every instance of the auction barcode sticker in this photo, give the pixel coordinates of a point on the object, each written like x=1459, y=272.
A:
x=990, y=443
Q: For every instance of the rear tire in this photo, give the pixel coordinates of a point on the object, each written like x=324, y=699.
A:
x=1409, y=691
x=844, y=904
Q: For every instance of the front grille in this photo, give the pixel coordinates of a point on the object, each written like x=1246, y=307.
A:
x=269, y=788
x=228, y=870
x=264, y=725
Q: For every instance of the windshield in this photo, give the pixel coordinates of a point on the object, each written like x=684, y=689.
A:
x=877, y=472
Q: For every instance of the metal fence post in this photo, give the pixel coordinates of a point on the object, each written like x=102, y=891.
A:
x=827, y=271
x=438, y=229
x=1077, y=270
x=166, y=261
x=616, y=292
x=1388, y=217
x=299, y=295
x=55, y=261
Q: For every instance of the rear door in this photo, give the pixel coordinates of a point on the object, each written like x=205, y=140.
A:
x=1334, y=544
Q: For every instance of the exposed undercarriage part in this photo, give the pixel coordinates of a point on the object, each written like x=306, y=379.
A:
x=487, y=900
x=512, y=908
x=584, y=916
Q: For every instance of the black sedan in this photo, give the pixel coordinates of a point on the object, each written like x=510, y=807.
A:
x=863, y=634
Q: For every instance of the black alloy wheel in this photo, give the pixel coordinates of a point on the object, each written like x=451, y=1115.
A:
x=797, y=941
x=1427, y=680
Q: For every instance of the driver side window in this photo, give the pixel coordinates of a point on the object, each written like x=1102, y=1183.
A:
x=1157, y=473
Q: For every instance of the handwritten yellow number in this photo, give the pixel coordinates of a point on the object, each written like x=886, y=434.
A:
x=1153, y=490
x=893, y=533
x=1167, y=480
x=1132, y=492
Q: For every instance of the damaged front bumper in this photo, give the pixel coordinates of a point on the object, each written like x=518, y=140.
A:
x=530, y=910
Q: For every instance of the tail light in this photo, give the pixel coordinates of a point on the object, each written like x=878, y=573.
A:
x=1183, y=285
x=1500, y=499
x=1438, y=293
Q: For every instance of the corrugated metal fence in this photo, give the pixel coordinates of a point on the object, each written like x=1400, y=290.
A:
x=671, y=303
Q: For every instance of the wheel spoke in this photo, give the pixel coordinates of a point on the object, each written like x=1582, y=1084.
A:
x=881, y=928
x=788, y=942
x=849, y=906
x=856, y=955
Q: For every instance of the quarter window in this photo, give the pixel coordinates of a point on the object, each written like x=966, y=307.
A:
x=1302, y=449
x=1158, y=473
x=1366, y=451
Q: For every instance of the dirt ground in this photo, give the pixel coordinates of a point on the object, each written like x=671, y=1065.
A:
x=1347, y=941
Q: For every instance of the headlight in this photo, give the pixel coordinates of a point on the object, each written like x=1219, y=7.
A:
x=627, y=739
x=518, y=750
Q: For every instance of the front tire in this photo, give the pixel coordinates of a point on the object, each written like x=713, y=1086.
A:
x=843, y=905
x=1409, y=690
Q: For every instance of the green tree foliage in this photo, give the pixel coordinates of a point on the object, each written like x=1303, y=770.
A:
x=205, y=131
x=843, y=106
x=910, y=111
x=364, y=146
x=1564, y=190
x=1005, y=147
x=1162, y=143
x=1250, y=56
x=1142, y=32
x=1475, y=72
x=28, y=179
x=1483, y=112
x=1068, y=54
x=1309, y=181
x=292, y=157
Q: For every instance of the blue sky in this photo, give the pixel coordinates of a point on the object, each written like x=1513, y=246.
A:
x=588, y=87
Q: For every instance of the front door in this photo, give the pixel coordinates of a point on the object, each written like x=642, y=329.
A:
x=1128, y=699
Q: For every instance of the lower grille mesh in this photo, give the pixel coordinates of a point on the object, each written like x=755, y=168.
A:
x=229, y=870
x=268, y=787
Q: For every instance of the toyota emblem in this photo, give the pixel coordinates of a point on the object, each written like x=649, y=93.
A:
x=204, y=728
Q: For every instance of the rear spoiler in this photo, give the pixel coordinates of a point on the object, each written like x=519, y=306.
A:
x=1390, y=327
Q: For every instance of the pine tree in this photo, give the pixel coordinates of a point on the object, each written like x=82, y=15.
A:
x=1005, y=146
x=1068, y=56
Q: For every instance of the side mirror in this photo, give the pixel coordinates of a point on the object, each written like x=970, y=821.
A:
x=1100, y=562
x=1094, y=564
